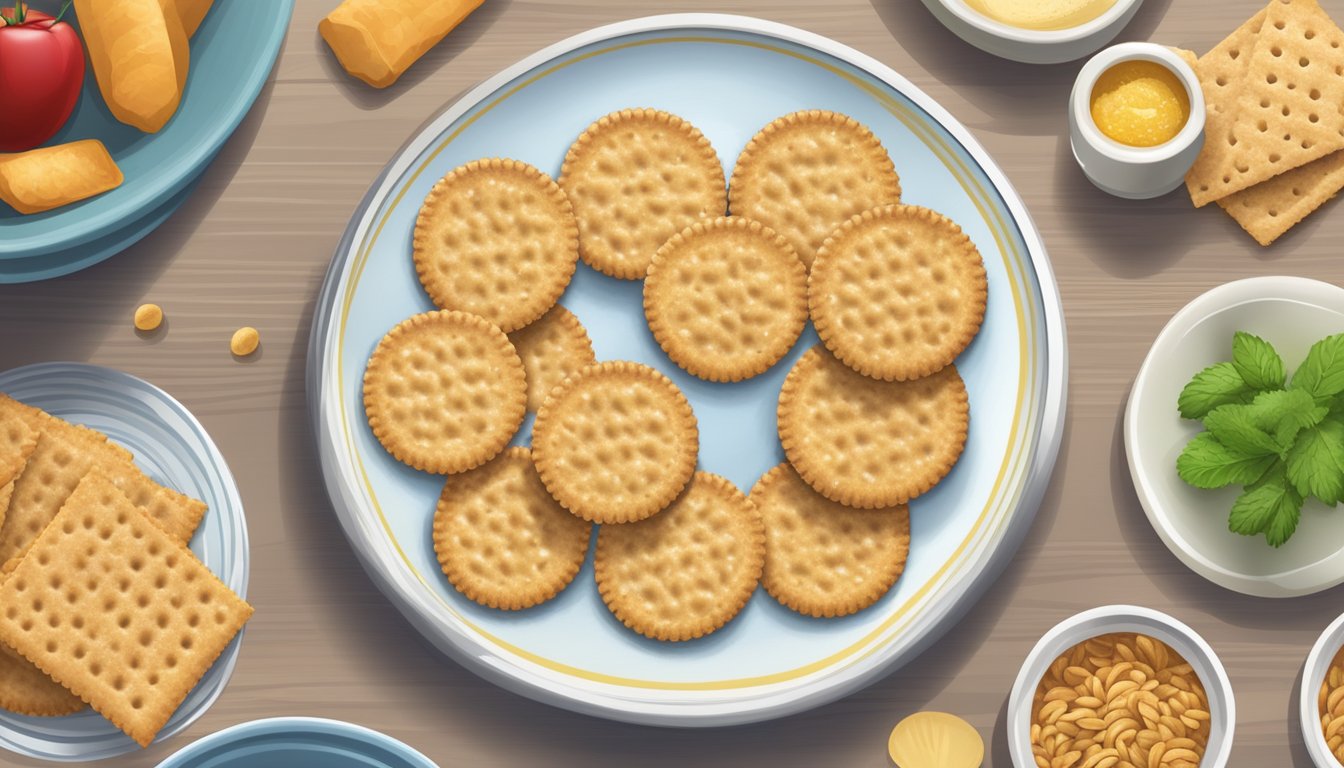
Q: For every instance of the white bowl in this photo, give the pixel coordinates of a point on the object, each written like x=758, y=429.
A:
x=1292, y=313
x=1029, y=45
x=1313, y=674
x=1136, y=173
x=1125, y=618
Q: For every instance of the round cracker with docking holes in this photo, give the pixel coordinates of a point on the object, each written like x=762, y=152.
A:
x=688, y=571
x=637, y=177
x=496, y=238
x=824, y=559
x=616, y=442
x=898, y=292
x=806, y=173
x=868, y=443
x=726, y=299
x=552, y=349
x=444, y=391
x=502, y=540
x=26, y=690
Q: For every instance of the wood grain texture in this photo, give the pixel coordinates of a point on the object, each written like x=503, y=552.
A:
x=251, y=245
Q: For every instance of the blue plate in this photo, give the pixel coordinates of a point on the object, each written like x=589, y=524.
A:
x=172, y=447
x=231, y=56
x=728, y=75
x=297, y=742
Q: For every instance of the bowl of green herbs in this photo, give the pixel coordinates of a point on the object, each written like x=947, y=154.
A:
x=1234, y=433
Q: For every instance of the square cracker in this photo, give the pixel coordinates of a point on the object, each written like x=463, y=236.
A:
x=1221, y=72
x=18, y=438
x=117, y=610
x=63, y=455
x=1271, y=208
x=1287, y=111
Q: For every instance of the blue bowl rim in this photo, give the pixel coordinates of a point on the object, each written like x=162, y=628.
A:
x=243, y=733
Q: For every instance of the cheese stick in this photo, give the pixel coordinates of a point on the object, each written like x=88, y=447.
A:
x=138, y=49
x=41, y=179
x=377, y=40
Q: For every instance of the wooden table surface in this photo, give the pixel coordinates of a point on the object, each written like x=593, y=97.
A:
x=250, y=246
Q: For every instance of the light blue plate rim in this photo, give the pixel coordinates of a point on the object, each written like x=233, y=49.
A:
x=78, y=226
x=217, y=745
x=691, y=710
x=85, y=736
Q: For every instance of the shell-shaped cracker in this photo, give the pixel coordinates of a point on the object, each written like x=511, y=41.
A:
x=502, y=540
x=552, y=349
x=898, y=292
x=444, y=391
x=935, y=740
x=616, y=442
x=496, y=238
x=687, y=571
x=636, y=177
x=868, y=443
x=822, y=558
x=726, y=299
x=806, y=173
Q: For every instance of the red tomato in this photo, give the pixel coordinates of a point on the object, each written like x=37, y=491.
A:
x=42, y=62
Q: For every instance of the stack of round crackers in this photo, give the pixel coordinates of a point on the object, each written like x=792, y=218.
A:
x=811, y=227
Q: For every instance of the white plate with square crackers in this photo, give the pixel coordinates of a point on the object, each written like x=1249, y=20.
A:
x=728, y=76
x=153, y=649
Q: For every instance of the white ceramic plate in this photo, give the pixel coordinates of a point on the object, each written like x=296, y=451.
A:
x=1292, y=313
x=728, y=75
x=172, y=447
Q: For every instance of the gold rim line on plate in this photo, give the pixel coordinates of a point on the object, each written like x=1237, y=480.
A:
x=1013, y=460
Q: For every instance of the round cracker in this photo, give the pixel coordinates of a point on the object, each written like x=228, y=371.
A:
x=824, y=559
x=807, y=173
x=726, y=299
x=868, y=443
x=688, y=571
x=444, y=391
x=636, y=177
x=27, y=690
x=616, y=442
x=898, y=292
x=552, y=349
x=496, y=238
x=502, y=540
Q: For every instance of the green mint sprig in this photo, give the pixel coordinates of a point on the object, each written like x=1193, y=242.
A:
x=1283, y=441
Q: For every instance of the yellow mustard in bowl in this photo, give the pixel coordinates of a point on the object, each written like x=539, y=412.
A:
x=1042, y=14
x=1140, y=104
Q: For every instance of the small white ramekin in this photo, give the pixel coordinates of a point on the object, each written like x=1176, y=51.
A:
x=1033, y=46
x=1136, y=173
x=1313, y=674
x=1125, y=618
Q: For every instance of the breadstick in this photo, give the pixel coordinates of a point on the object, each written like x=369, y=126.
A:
x=377, y=40
x=41, y=179
x=138, y=49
